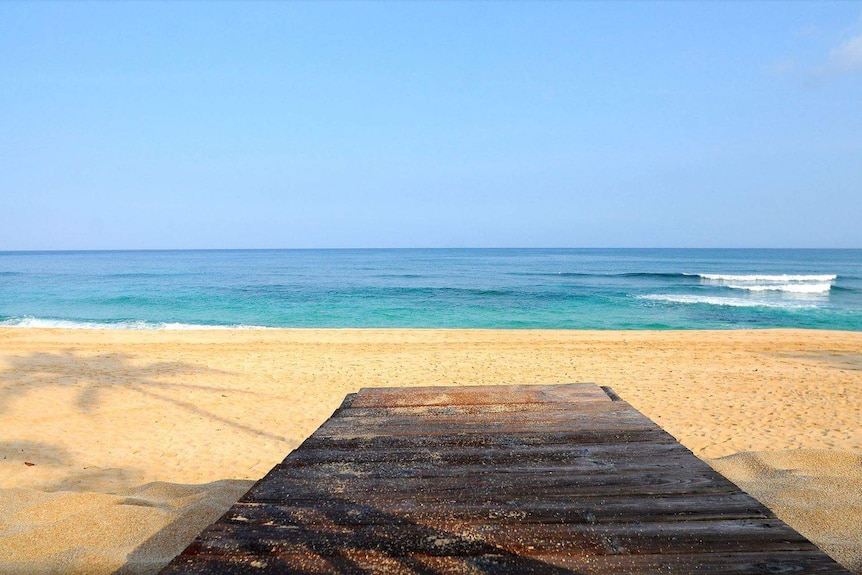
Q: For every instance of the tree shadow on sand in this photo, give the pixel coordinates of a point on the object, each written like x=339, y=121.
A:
x=16, y=452
x=97, y=375
x=91, y=379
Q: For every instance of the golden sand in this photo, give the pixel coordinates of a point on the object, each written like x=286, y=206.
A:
x=118, y=447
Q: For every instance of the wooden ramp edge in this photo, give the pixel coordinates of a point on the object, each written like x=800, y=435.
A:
x=496, y=479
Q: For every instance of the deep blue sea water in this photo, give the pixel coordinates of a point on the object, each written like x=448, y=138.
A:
x=434, y=288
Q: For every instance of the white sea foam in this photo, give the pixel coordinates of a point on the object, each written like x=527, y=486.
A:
x=724, y=301
x=789, y=283
x=812, y=288
x=33, y=322
x=782, y=278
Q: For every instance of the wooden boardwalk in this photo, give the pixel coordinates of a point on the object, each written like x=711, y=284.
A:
x=502, y=479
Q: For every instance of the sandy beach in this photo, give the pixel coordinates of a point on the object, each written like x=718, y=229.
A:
x=118, y=447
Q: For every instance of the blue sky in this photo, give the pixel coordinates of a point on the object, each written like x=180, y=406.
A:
x=290, y=125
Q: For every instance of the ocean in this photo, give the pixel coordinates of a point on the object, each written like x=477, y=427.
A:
x=434, y=288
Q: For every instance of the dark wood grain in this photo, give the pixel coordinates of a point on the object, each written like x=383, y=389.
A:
x=499, y=479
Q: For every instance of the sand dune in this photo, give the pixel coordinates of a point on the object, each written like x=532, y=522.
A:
x=117, y=447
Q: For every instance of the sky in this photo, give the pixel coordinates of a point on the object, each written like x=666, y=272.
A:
x=422, y=124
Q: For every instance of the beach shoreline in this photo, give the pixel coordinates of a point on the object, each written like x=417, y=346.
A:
x=118, y=446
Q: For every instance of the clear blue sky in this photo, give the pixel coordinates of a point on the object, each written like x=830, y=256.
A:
x=289, y=125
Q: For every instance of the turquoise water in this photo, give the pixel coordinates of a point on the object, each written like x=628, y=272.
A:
x=442, y=288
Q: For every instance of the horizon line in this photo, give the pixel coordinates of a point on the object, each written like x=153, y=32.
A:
x=127, y=250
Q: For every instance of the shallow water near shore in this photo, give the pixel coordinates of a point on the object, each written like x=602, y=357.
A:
x=434, y=288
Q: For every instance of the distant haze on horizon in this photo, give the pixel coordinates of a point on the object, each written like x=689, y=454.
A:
x=338, y=125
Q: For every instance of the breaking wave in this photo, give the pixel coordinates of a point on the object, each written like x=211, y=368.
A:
x=723, y=301
x=780, y=278
x=790, y=288
x=799, y=284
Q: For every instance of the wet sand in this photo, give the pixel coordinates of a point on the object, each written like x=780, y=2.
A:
x=118, y=447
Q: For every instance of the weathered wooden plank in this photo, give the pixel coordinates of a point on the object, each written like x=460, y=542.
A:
x=359, y=562
x=506, y=410
x=355, y=428
x=491, y=488
x=705, y=563
x=603, y=414
x=363, y=562
x=720, y=535
x=491, y=441
x=515, y=479
x=401, y=538
x=522, y=456
x=478, y=395
x=580, y=509
x=430, y=470
x=596, y=406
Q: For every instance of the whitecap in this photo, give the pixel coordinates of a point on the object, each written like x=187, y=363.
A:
x=781, y=278
x=811, y=288
x=722, y=301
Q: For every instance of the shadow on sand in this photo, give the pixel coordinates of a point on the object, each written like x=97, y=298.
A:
x=93, y=377
x=100, y=374
x=841, y=360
